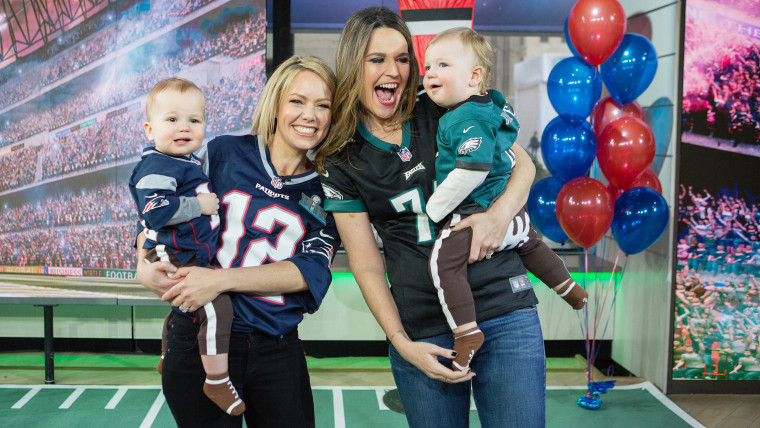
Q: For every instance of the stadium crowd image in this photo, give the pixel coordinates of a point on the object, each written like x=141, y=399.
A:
x=365, y=213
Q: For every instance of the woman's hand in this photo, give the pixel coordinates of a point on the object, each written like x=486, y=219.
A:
x=490, y=228
x=155, y=276
x=196, y=286
x=487, y=234
x=425, y=355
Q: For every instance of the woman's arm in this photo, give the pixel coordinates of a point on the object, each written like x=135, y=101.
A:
x=197, y=286
x=369, y=270
x=490, y=228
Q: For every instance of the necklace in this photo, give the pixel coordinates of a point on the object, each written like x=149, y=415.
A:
x=382, y=133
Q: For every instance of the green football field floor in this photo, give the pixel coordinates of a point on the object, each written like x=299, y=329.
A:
x=101, y=404
x=144, y=406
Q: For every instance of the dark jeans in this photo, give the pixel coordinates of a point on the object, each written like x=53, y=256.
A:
x=268, y=372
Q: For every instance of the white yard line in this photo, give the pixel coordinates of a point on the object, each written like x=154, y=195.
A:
x=153, y=412
x=380, y=393
x=116, y=398
x=72, y=398
x=25, y=399
x=339, y=416
x=669, y=404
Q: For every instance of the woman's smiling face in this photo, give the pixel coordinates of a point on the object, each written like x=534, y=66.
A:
x=386, y=73
x=303, y=116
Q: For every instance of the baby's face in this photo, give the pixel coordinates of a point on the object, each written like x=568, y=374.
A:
x=177, y=122
x=449, y=72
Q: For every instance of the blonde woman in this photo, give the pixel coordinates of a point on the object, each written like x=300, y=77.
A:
x=275, y=248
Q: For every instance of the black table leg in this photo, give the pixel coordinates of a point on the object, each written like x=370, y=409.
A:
x=49, y=354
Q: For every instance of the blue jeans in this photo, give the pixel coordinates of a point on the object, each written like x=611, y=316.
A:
x=509, y=387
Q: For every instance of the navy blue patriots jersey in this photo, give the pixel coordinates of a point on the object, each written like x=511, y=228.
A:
x=159, y=185
x=392, y=183
x=267, y=218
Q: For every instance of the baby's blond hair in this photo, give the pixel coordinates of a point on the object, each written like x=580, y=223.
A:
x=177, y=84
x=481, y=49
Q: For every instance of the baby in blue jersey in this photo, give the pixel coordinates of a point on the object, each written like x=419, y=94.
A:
x=179, y=215
x=473, y=164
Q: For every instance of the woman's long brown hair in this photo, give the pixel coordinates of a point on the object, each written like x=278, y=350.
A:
x=347, y=107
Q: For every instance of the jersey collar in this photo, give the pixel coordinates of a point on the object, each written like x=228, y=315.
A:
x=152, y=150
x=480, y=99
x=382, y=145
x=290, y=179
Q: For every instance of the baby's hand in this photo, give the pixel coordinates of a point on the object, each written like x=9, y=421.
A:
x=209, y=203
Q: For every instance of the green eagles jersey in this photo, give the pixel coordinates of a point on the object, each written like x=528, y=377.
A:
x=392, y=183
x=477, y=135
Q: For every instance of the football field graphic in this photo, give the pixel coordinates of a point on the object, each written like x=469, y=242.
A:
x=639, y=405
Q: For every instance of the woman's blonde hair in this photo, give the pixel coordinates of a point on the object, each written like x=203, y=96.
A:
x=481, y=50
x=352, y=45
x=265, y=115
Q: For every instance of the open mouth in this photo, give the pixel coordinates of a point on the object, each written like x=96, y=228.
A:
x=305, y=130
x=386, y=93
x=182, y=140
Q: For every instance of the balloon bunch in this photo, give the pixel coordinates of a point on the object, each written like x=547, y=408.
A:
x=569, y=204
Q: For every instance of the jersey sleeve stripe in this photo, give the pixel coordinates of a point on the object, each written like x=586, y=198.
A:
x=157, y=181
x=473, y=166
x=354, y=206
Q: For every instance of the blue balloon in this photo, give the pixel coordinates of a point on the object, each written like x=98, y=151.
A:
x=640, y=218
x=568, y=148
x=542, y=206
x=574, y=87
x=660, y=121
x=630, y=69
x=569, y=43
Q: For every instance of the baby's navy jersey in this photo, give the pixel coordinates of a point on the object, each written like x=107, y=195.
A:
x=268, y=218
x=159, y=185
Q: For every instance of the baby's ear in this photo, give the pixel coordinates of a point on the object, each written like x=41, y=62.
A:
x=148, y=131
x=477, y=76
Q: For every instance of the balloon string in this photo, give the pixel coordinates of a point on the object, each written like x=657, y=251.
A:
x=588, y=348
x=614, y=296
x=578, y=315
x=604, y=303
x=597, y=308
x=607, y=291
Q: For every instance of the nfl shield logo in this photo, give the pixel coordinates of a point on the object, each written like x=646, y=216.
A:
x=277, y=183
x=405, y=154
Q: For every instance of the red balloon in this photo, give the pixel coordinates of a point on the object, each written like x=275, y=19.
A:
x=624, y=150
x=595, y=28
x=646, y=179
x=584, y=210
x=614, y=193
x=608, y=110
